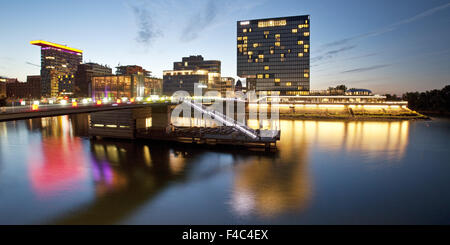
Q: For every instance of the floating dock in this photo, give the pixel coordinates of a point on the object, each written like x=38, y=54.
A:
x=154, y=123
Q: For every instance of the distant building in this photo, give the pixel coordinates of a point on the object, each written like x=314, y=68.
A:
x=358, y=91
x=191, y=70
x=57, y=62
x=132, y=70
x=83, y=77
x=34, y=83
x=273, y=55
x=26, y=90
x=118, y=86
x=226, y=85
x=2, y=87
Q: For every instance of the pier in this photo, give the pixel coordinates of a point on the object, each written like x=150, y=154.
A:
x=153, y=122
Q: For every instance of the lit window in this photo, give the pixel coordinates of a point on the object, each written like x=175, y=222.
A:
x=306, y=46
x=300, y=54
x=266, y=68
x=239, y=38
x=271, y=51
x=260, y=76
x=255, y=45
x=306, y=75
x=306, y=34
x=244, y=38
x=256, y=60
x=250, y=30
x=277, y=80
x=267, y=75
x=250, y=52
x=282, y=55
x=261, y=56
x=306, y=21
x=277, y=36
x=305, y=50
x=294, y=30
x=288, y=84
x=266, y=33
x=244, y=30
x=277, y=44
x=269, y=23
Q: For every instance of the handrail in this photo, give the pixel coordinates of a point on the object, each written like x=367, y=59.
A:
x=223, y=119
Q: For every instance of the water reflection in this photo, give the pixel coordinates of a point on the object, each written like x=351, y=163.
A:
x=125, y=175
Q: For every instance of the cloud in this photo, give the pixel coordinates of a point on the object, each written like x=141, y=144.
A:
x=330, y=54
x=200, y=21
x=370, y=68
x=147, y=32
x=391, y=27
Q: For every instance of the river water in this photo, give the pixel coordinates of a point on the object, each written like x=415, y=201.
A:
x=325, y=172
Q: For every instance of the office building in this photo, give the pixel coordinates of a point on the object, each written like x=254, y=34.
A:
x=274, y=55
x=57, y=62
x=83, y=77
x=226, y=85
x=118, y=86
x=131, y=70
x=191, y=70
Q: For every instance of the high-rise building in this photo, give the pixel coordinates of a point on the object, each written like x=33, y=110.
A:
x=273, y=55
x=191, y=70
x=57, y=61
x=83, y=77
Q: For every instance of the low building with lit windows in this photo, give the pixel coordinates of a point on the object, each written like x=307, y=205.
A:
x=192, y=70
x=130, y=86
x=273, y=55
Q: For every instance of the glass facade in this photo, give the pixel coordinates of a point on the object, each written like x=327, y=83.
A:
x=118, y=86
x=54, y=63
x=274, y=55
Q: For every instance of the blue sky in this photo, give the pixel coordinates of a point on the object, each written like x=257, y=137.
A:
x=386, y=46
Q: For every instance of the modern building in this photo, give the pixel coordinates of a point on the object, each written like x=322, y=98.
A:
x=131, y=70
x=24, y=90
x=118, y=86
x=83, y=77
x=57, y=61
x=274, y=55
x=191, y=70
x=226, y=85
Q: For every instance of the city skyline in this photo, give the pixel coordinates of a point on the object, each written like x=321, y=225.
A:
x=393, y=54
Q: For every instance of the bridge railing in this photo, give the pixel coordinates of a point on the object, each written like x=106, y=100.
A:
x=220, y=117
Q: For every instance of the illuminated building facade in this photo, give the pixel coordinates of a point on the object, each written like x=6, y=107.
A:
x=83, y=77
x=274, y=55
x=2, y=87
x=226, y=85
x=56, y=61
x=118, y=86
x=191, y=70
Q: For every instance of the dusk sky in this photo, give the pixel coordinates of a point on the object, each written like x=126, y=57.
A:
x=383, y=45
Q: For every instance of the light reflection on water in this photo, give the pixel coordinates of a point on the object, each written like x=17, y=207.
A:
x=62, y=177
